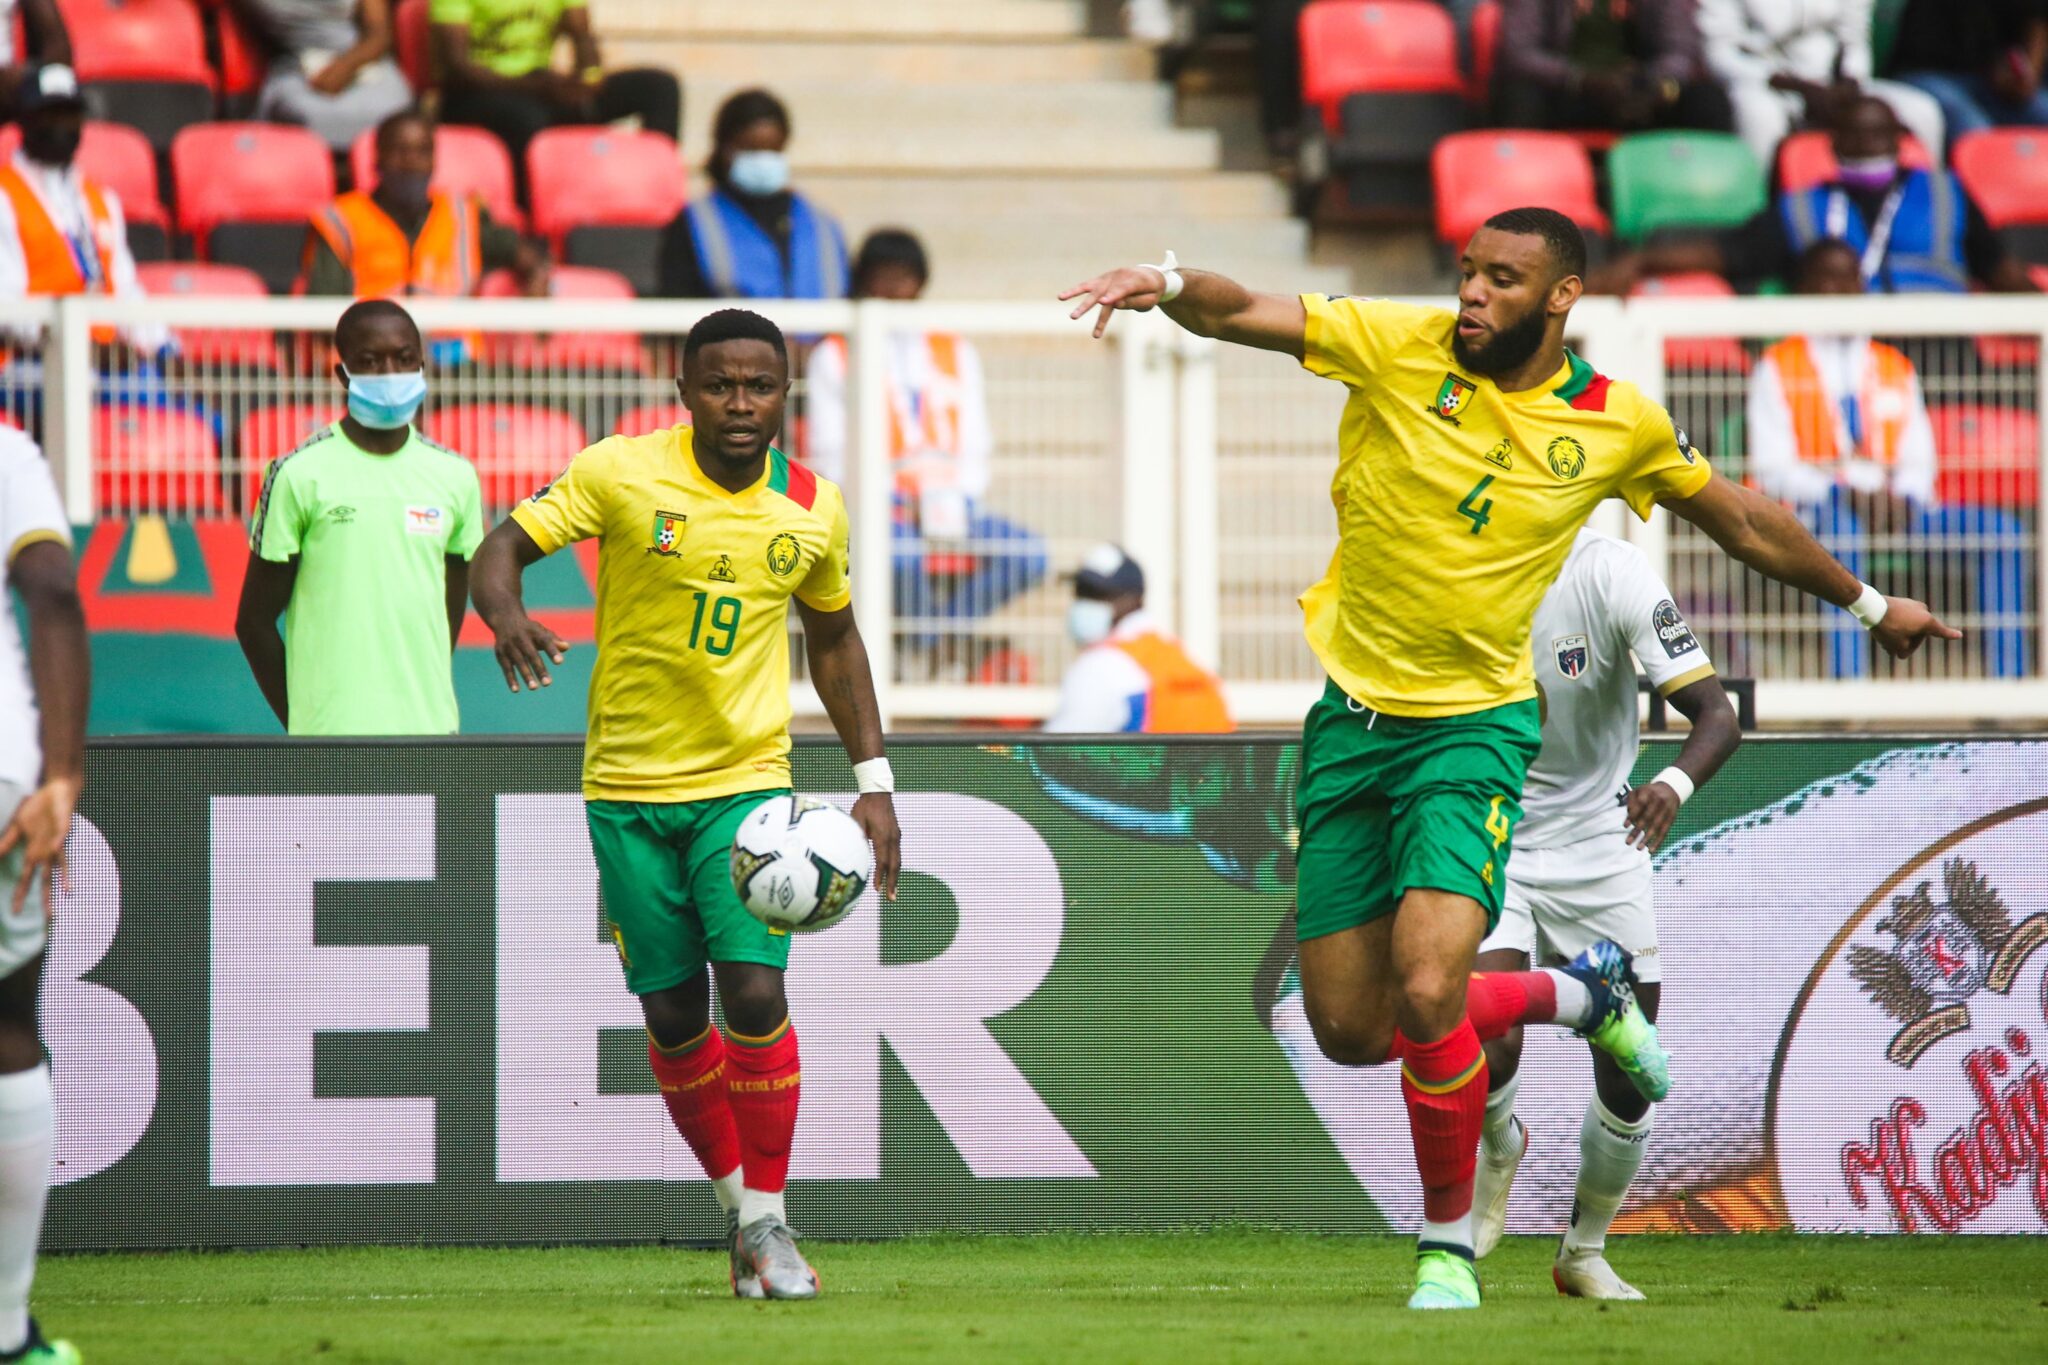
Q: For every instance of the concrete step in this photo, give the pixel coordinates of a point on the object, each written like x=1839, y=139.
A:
x=885, y=147
x=785, y=66
x=1045, y=275
x=876, y=198
x=971, y=20
x=1105, y=238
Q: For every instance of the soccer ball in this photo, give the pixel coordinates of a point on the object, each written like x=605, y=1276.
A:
x=800, y=864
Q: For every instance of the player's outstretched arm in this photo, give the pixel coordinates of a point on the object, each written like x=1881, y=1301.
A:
x=1715, y=735
x=840, y=672
x=1766, y=536
x=1208, y=305
x=494, y=587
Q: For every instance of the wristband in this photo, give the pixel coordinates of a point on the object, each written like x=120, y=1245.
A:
x=1674, y=777
x=1869, y=607
x=592, y=75
x=873, y=775
x=1170, y=268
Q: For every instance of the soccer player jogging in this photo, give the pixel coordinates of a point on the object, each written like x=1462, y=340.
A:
x=1581, y=870
x=43, y=698
x=705, y=533
x=1472, y=449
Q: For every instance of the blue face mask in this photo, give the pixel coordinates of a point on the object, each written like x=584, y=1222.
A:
x=384, y=402
x=759, y=173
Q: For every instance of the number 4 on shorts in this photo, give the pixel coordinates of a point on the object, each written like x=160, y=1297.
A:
x=1480, y=512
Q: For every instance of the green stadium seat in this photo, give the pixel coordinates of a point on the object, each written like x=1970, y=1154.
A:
x=1702, y=180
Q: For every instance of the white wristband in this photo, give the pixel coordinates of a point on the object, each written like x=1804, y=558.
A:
x=1674, y=777
x=1870, y=607
x=1170, y=268
x=873, y=775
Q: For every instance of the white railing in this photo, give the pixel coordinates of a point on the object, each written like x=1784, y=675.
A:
x=1210, y=464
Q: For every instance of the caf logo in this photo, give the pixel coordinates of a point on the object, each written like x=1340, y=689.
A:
x=1566, y=456
x=783, y=555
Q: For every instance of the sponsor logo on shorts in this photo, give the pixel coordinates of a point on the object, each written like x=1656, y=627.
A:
x=1672, y=631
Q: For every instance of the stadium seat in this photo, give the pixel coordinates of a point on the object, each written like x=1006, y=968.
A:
x=466, y=161
x=120, y=158
x=1986, y=456
x=213, y=346
x=413, y=36
x=1485, y=35
x=246, y=192
x=152, y=458
x=1808, y=159
x=573, y=348
x=142, y=62
x=1479, y=174
x=1696, y=353
x=241, y=56
x=653, y=417
x=1381, y=46
x=1698, y=180
x=603, y=198
x=270, y=432
x=516, y=448
x=2006, y=172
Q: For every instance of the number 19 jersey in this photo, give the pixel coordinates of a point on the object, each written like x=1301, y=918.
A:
x=1457, y=503
x=689, y=698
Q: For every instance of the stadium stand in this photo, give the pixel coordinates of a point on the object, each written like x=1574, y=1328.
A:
x=143, y=63
x=413, y=37
x=270, y=432
x=2006, y=172
x=1696, y=353
x=155, y=458
x=516, y=447
x=1383, y=77
x=652, y=417
x=466, y=161
x=603, y=198
x=1990, y=456
x=120, y=158
x=1480, y=174
x=580, y=349
x=1483, y=33
x=241, y=59
x=1695, y=180
x=245, y=191
x=220, y=347
x=1807, y=159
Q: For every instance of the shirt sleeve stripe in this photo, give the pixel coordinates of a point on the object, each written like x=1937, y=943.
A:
x=1685, y=679
x=533, y=527
x=36, y=537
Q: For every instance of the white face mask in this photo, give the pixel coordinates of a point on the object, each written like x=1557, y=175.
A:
x=1088, y=622
x=759, y=173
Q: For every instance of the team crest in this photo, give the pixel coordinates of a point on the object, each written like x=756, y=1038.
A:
x=1452, y=397
x=721, y=572
x=783, y=554
x=1566, y=456
x=668, y=533
x=1502, y=456
x=1573, y=654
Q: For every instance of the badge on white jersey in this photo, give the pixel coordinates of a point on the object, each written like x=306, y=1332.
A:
x=1573, y=654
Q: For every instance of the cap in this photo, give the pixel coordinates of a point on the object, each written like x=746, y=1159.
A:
x=1106, y=571
x=48, y=87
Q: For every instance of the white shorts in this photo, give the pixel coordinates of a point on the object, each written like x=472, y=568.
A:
x=1560, y=901
x=22, y=936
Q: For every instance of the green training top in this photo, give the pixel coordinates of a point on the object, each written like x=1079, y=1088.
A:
x=366, y=631
x=510, y=37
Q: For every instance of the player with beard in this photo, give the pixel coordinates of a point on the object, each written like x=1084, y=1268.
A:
x=1472, y=449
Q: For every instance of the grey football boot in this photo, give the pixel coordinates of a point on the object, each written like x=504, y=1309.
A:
x=766, y=1263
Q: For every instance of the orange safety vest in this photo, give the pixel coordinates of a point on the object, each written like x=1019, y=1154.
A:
x=1185, y=698
x=1886, y=402
x=446, y=262
x=53, y=267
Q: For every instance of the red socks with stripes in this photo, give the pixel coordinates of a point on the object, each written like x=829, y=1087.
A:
x=763, y=1089
x=693, y=1086
x=1444, y=1086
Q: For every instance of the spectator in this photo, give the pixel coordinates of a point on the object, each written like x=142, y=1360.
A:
x=1130, y=677
x=404, y=238
x=361, y=541
x=752, y=237
x=1982, y=62
x=1916, y=231
x=497, y=63
x=49, y=44
x=1788, y=63
x=953, y=558
x=61, y=233
x=1618, y=64
x=331, y=67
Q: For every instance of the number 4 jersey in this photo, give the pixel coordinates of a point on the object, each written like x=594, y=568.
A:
x=1457, y=503
x=689, y=698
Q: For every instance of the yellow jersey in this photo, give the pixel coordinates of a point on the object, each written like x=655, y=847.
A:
x=1457, y=504
x=689, y=698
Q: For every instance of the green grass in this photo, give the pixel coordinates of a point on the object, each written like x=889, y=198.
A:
x=1185, y=1298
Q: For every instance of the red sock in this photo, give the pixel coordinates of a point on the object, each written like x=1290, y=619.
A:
x=1497, y=1001
x=693, y=1087
x=766, y=1083
x=1444, y=1086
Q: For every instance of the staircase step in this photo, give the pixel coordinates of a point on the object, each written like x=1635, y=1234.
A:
x=786, y=66
x=1104, y=238
x=907, y=197
x=977, y=20
x=1095, y=111
x=1046, y=274
x=1022, y=150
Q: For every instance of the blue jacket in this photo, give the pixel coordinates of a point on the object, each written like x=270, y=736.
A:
x=1925, y=250
x=741, y=261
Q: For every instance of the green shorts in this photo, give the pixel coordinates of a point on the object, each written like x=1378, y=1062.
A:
x=1387, y=804
x=664, y=869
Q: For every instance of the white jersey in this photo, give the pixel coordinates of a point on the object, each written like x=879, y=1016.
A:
x=1605, y=603
x=30, y=510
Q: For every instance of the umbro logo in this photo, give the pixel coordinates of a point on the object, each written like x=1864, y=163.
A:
x=343, y=514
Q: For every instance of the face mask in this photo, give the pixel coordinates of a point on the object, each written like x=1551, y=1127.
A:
x=385, y=402
x=50, y=145
x=406, y=190
x=1867, y=173
x=1089, y=622
x=759, y=173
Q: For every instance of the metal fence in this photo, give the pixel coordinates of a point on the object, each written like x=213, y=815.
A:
x=1210, y=464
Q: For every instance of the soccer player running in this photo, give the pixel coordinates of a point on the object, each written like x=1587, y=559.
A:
x=705, y=533
x=1472, y=449
x=1581, y=870
x=42, y=771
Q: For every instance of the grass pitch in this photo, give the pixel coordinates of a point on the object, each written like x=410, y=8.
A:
x=1184, y=1298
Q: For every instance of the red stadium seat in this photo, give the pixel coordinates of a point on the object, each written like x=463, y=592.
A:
x=1808, y=159
x=1384, y=46
x=1485, y=44
x=466, y=161
x=241, y=55
x=2006, y=172
x=216, y=346
x=594, y=177
x=1986, y=456
x=1479, y=174
x=413, y=36
x=155, y=459
x=119, y=158
x=575, y=349
x=246, y=192
x=653, y=417
x=270, y=432
x=1696, y=353
x=516, y=448
x=137, y=40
